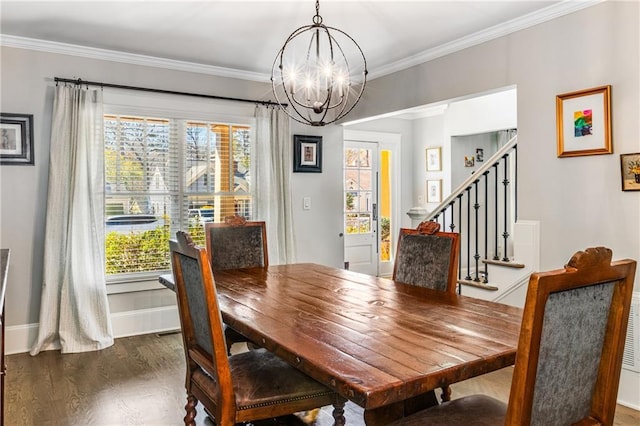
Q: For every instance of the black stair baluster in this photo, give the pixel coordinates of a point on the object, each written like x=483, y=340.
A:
x=476, y=255
x=468, y=236
x=452, y=227
x=495, y=202
x=460, y=257
x=515, y=183
x=505, y=183
x=486, y=226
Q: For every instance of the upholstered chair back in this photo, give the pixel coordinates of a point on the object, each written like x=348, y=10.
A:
x=200, y=317
x=569, y=357
x=236, y=244
x=570, y=350
x=427, y=258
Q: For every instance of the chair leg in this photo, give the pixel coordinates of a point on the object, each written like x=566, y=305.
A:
x=190, y=408
x=338, y=412
x=446, y=393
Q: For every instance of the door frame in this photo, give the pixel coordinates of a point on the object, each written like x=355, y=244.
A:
x=389, y=142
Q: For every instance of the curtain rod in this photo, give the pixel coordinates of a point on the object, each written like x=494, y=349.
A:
x=167, y=92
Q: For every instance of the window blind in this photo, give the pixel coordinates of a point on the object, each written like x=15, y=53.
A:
x=166, y=174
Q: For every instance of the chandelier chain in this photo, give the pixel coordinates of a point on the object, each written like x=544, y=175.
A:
x=317, y=20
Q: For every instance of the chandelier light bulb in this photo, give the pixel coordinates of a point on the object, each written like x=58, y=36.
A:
x=334, y=69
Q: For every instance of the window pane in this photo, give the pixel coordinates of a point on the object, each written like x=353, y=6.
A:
x=139, y=179
x=365, y=202
x=146, y=199
x=364, y=223
x=351, y=157
x=351, y=224
x=365, y=179
x=365, y=158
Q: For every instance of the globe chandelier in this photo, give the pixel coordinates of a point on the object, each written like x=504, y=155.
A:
x=320, y=73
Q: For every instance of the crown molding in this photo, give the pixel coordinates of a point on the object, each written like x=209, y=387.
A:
x=543, y=15
x=127, y=58
x=565, y=7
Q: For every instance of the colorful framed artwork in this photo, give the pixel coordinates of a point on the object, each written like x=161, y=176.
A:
x=434, y=191
x=469, y=161
x=16, y=142
x=307, y=154
x=434, y=159
x=630, y=171
x=583, y=121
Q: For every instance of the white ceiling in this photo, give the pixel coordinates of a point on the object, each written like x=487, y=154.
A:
x=242, y=37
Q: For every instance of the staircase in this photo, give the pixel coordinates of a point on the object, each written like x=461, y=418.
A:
x=497, y=252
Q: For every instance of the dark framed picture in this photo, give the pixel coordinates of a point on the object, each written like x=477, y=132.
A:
x=630, y=171
x=16, y=138
x=307, y=154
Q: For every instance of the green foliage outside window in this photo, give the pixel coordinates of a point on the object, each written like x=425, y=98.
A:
x=144, y=251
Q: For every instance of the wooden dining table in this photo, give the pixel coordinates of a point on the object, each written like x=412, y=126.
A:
x=382, y=344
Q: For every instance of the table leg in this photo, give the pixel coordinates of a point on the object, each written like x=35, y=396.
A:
x=389, y=413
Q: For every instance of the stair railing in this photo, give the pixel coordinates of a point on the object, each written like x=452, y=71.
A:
x=489, y=224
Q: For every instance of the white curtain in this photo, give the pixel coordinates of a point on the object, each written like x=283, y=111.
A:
x=74, y=311
x=273, y=187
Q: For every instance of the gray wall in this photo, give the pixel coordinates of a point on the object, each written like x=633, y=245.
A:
x=27, y=87
x=578, y=201
x=576, y=198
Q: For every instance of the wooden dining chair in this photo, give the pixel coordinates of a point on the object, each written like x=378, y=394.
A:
x=245, y=387
x=236, y=243
x=569, y=354
x=427, y=258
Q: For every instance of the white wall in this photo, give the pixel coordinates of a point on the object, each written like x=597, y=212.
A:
x=317, y=231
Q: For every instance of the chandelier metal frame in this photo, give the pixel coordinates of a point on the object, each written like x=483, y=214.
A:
x=340, y=92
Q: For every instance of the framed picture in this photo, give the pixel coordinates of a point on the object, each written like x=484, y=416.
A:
x=434, y=191
x=16, y=144
x=434, y=159
x=307, y=154
x=583, y=121
x=479, y=155
x=469, y=161
x=630, y=171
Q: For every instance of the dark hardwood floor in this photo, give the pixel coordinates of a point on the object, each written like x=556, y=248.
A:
x=140, y=381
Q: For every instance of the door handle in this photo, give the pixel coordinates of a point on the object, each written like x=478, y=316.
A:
x=374, y=209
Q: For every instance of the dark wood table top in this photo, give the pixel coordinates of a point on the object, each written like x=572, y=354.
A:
x=373, y=340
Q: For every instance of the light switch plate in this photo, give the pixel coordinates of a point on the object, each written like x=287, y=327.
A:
x=306, y=203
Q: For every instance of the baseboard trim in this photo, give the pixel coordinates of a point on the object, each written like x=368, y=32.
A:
x=20, y=338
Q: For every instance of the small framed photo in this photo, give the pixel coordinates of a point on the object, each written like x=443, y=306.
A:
x=583, y=122
x=434, y=159
x=16, y=143
x=469, y=161
x=307, y=154
x=630, y=171
x=479, y=155
x=434, y=191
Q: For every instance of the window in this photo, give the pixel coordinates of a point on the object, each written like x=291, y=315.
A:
x=166, y=174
